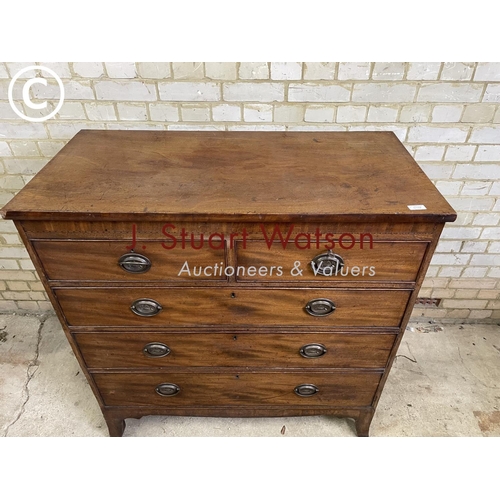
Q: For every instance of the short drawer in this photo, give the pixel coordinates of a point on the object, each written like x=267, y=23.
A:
x=232, y=306
x=271, y=350
x=384, y=261
x=112, y=261
x=238, y=388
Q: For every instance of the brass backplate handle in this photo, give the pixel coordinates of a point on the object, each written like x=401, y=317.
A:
x=327, y=264
x=146, y=307
x=156, y=350
x=312, y=350
x=167, y=389
x=320, y=307
x=134, y=263
x=306, y=390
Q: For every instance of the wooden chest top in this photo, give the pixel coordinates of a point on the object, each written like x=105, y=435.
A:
x=119, y=175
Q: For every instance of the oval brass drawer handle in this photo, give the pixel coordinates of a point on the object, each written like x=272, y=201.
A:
x=312, y=350
x=327, y=264
x=156, y=350
x=167, y=389
x=146, y=307
x=320, y=307
x=134, y=263
x=306, y=390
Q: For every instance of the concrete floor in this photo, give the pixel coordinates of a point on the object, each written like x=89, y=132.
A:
x=445, y=382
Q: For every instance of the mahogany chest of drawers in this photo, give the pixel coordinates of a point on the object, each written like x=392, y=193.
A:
x=232, y=274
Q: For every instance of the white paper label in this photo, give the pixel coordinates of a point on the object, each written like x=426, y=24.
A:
x=417, y=207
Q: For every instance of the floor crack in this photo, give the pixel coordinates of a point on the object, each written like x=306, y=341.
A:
x=31, y=369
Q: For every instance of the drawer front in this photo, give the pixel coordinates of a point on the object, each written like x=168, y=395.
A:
x=152, y=350
x=212, y=389
x=99, y=261
x=385, y=261
x=223, y=306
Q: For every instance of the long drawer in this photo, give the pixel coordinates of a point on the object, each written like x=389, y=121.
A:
x=232, y=307
x=272, y=350
x=238, y=388
x=385, y=261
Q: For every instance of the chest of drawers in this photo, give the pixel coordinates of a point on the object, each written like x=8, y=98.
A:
x=232, y=274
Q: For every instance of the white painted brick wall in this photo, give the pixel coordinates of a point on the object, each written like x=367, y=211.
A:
x=447, y=115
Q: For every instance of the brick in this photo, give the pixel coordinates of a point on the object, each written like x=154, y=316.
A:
x=8, y=305
x=447, y=113
x=490, y=219
x=226, y=113
x=450, y=259
x=313, y=92
x=14, y=182
x=257, y=128
x=134, y=112
x=416, y=113
x=286, y=71
x=495, y=188
x=351, y=114
x=24, y=166
x=254, y=92
x=477, y=171
x=488, y=294
x=72, y=111
x=383, y=92
x=440, y=293
x=459, y=153
x=475, y=188
x=220, y=70
x=388, y=71
x=450, y=271
x=160, y=112
x=429, y=153
x=61, y=130
x=3, y=71
x=73, y=90
x=5, y=150
x=154, y=70
x=465, y=294
x=188, y=70
x=319, y=70
x=423, y=70
x=490, y=233
x=183, y=126
x=17, y=276
x=457, y=71
x=492, y=93
x=478, y=113
x=45, y=306
x=480, y=314
x=464, y=304
x=24, y=148
x=487, y=72
x=448, y=246
x=460, y=233
x=88, y=69
x=450, y=92
x=125, y=91
x=474, y=246
x=12, y=239
x=470, y=283
x=382, y=114
x=121, y=69
x=448, y=188
x=354, y=70
x=485, y=260
x=400, y=132
x=100, y=111
x=286, y=113
x=437, y=170
x=17, y=286
x=469, y=203
x=425, y=133
x=23, y=130
x=188, y=91
x=318, y=113
x=488, y=135
x=314, y=128
x=7, y=226
x=474, y=272
x=195, y=113
x=8, y=264
x=486, y=153
x=496, y=118
x=15, y=67
x=258, y=113
x=26, y=264
x=254, y=71
x=61, y=69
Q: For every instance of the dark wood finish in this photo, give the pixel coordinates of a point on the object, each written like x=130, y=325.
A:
x=231, y=307
x=98, y=261
x=239, y=388
x=385, y=261
x=125, y=350
x=234, y=343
